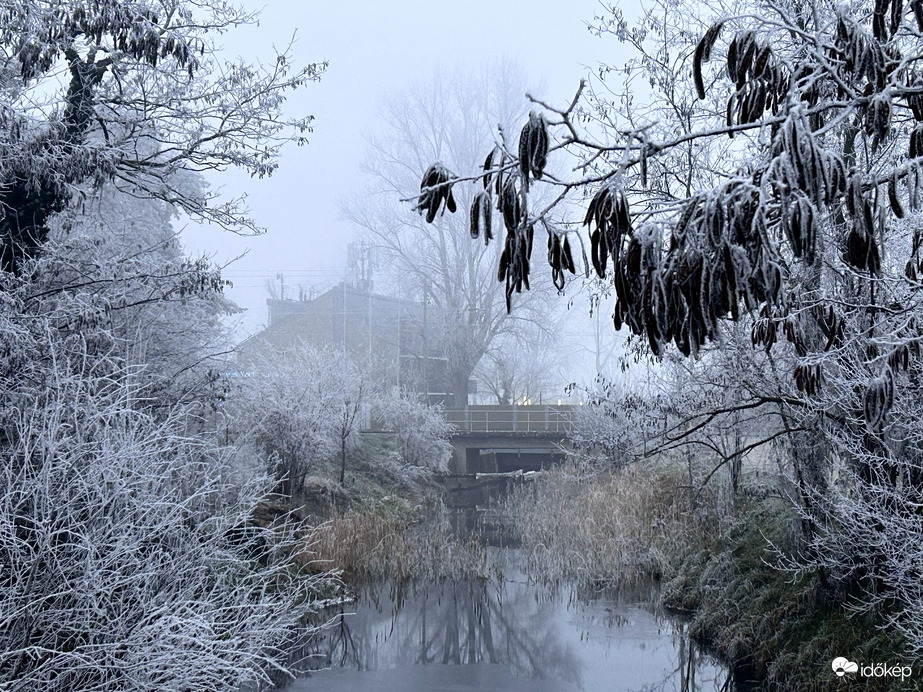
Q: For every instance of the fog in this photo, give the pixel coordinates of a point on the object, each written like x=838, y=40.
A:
x=373, y=50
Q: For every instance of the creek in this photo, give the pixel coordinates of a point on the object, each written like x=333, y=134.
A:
x=508, y=633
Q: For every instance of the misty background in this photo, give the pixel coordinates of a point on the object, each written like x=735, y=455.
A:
x=376, y=51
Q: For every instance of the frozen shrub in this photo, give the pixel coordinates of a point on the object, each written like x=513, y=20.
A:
x=127, y=560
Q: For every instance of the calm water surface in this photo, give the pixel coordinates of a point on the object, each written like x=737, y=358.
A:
x=512, y=635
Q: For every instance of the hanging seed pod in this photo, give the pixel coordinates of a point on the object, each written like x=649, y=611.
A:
x=435, y=188
x=808, y=378
x=538, y=145
x=608, y=210
x=702, y=55
x=567, y=257
x=493, y=173
x=480, y=216
x=729, y=115
x=474, y=217
x=743, y=58
x=732, y=59
x=874, y=258
x=761, y=60
x=525, y=250
x=793, y=228
x=597, y=254
x=893, y=198
x=897, y=14
x=916, y=142
x=878, y=20
x=913, y=182
x=555, y=260
x=837, y=178
x=524, y=155
x=510, y=204
x=504, y=260
x=764, y=332
x=899, y=358
x=854, y=199
x=830, y=326
x=791, y=327
x=878, y=118
x=533, y=148
x=857, y=248
x=623, y=218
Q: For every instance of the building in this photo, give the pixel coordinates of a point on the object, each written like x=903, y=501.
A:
x=391, y=335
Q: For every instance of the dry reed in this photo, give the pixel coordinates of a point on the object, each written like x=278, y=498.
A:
x=618, y=528
x=373, y=546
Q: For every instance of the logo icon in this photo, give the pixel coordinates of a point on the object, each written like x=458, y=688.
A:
x=841, y=666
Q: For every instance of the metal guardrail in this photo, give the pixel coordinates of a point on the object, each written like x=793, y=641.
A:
x=518, y=419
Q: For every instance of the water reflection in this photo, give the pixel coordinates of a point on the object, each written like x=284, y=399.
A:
x=473, y=635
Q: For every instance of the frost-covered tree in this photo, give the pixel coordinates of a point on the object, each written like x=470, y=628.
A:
x=144, y=95
x=130, y=552
x=522, y=368
x=420, y=427
x=121, y=255
x=450, y=117
x=301, y=406
x=757, y=163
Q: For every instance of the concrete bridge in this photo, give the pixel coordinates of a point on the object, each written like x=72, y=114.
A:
x=507, y=438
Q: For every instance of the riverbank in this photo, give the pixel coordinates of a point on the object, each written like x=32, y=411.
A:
x=716, y=558
x=713, y=556
x=387, y=520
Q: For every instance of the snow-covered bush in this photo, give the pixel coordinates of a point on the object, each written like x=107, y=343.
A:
x=128, y=561
x=300, y=406
x=421, y=429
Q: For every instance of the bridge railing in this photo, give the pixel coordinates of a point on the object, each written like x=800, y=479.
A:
x=518, y=419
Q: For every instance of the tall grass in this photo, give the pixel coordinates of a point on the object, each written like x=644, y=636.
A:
x=617, y=528
x=368, y=545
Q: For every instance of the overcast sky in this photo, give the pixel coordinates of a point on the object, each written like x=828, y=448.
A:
x=373, y=48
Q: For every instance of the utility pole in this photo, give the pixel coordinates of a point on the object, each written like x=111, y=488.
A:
x=426, y=375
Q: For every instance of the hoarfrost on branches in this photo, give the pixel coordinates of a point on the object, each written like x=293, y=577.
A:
x=147, y=96
x=300, y=406
x=758, y=209
x=127, y=558
x=421, y=428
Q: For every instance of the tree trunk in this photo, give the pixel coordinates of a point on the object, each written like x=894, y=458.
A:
x=342, y=459
x=459, y=382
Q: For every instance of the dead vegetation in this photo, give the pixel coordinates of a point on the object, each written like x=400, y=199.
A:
x=619, y=527
x=369, y=545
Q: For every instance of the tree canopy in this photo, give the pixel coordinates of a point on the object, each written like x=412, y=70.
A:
x=755, y=168
x=448, y=115
x=131, y=555
x=147, y=94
